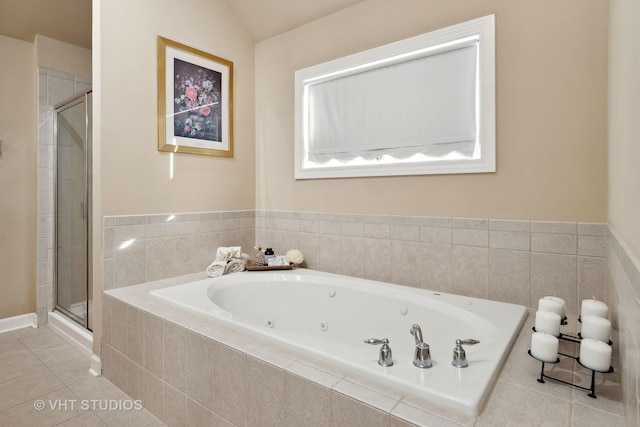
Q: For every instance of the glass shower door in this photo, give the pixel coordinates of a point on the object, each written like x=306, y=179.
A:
x=72, y=210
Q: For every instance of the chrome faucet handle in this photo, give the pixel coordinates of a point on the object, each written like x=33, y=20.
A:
x=459, y=355
x=385, y=358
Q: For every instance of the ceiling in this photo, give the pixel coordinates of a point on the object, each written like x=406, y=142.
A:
x=70, y=20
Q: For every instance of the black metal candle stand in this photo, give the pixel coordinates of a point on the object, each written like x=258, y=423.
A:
x=575, y=340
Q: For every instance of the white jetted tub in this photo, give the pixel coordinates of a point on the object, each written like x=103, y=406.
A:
x=329, y=316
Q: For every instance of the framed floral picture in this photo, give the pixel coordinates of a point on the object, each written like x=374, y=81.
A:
x=195, y=101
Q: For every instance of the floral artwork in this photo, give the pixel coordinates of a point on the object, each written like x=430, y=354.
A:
x=195, y=101
x=197, y=97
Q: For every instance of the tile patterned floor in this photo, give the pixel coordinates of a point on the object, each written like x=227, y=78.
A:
x=37, y=366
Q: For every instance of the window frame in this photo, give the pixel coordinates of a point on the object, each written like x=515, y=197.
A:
x=482, y=28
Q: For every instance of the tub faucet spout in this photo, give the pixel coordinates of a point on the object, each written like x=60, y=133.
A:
x=422, y=355
x=417, y=333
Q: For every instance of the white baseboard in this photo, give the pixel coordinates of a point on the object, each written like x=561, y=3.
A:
x=81, y=338
x=96, y=366
x=18, y=322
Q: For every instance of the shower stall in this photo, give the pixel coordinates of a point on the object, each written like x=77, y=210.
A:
x=72, y=171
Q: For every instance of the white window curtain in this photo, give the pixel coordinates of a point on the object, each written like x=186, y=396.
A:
x=369, y=114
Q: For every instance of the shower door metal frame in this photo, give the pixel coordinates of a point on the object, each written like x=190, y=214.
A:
x=86, y=207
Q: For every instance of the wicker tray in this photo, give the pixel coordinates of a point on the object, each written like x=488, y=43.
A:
x=251, y=267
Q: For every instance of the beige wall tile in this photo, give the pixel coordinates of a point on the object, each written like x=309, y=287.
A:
x=405, y=232
x=134, y=334
x=407, y=413
x=207, y=246
x=265, y=394
x=377, y=231
x=175, y=355
x=185, y=252
x=554, y=227
x=353, y=256
x=134, y=383
x=305, y=403
x=554, y=243
x=200, y=362
x=509, y=225
x=309, y=246
x=106, y=318
x=470, y=237
x=175, y=407
x=470, y=271
x=198, y=415
x=366, y=394
x=509, y=276
x=330, y=253
x=153, y=393
x=404, y=263
x=347, y=412
x=592, y=246
x=376, y=260
x=130, y=263
x=435, y=267
x=554, y=274
x=159, y=229
x=230, y=384
x=354, y=229
x=153, y=347
x=591, y=278
x=592, y=229
x=118, y=325
x=431, y=234
x=518, y=240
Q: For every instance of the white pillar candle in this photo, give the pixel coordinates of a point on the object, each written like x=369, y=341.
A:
x=593, y=306
x=544, y=347
x=547, y=304
x=595, y=354
x=595, y=327
x=561, y=302
x=549, y=322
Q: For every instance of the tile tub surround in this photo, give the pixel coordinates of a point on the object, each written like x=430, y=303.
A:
x=623, y=275
x=504, y=260
x=143, y=248
x=513, y=261
x=189, y=370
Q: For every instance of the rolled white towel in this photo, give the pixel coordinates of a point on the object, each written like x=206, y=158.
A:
x=228, y=252
x=235, y=266
x=217, y=268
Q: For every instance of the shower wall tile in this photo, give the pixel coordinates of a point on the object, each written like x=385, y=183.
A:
x=554, y=227
x=53, y=87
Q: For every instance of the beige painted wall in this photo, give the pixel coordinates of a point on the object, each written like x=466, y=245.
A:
x=18, y=166
x=551, y=72
x=624, y=126
x=62, y=56
x=135, y=175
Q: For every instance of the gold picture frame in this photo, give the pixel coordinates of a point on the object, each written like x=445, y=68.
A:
x=195, y=101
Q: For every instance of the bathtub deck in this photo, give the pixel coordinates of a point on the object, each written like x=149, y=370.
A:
x=314, y=389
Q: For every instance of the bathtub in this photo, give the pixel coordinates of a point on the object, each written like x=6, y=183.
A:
x=328, y=316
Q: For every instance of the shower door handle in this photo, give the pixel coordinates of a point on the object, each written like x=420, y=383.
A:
x=83, y=208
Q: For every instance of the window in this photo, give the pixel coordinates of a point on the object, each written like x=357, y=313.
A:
x=424, y=105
